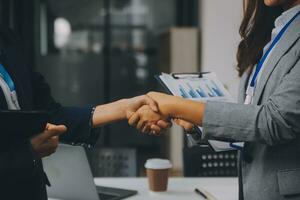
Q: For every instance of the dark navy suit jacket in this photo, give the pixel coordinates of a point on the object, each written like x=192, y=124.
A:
x=20, y=176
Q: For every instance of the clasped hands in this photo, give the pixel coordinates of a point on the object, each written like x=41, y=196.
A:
x=158, y=116
x=151, y=113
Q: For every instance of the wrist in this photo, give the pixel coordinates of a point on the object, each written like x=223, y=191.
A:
x=170, y=107
x=189, y=110
x=108, y=113
x=123, y=105
x=176, y=106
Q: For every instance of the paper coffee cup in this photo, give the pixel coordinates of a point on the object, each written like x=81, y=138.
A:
x=158, y=174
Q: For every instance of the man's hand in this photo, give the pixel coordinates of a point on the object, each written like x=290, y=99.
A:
x=145, y=120
x=133, y=104
x=45, y=143
x=121, y=110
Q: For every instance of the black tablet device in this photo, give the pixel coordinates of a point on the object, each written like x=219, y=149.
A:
x=22, y=124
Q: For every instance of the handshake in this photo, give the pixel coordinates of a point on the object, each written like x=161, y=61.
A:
x=154, y=112
x=151, y=113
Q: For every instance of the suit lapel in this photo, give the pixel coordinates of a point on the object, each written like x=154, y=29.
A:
x=285, y=43
x=10, y=63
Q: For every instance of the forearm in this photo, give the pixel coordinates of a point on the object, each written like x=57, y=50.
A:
x=108, y=113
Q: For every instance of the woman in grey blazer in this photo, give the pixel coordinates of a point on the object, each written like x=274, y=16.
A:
x=267, y=116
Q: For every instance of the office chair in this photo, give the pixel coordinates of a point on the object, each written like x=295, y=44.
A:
x=204, y=162
x=113, y=162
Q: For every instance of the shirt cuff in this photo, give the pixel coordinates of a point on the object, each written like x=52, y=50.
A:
x=93, y=133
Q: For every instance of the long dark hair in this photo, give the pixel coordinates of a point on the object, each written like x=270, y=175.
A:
x=255, y=31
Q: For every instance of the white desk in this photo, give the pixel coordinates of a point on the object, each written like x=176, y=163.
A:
x=178, y=188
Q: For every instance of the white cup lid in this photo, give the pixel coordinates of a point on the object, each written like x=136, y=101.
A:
x=156, y=163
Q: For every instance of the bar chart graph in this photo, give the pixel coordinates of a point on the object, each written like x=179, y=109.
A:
x=203, y=88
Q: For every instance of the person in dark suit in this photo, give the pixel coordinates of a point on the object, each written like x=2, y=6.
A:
x=21, y=170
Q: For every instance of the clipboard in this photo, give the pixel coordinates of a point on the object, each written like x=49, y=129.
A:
x=218, y=92
x=193, y=136
x=203, y=86
x=178, y=76
x=22, y=125
x=193, y=74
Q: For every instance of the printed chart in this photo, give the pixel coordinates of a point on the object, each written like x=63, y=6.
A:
x=203, y=88
x=206, y=87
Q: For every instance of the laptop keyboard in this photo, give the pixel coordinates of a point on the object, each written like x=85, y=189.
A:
x=103, y=196
x=108, y=193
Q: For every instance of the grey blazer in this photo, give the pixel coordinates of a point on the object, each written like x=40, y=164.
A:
x=270, y=127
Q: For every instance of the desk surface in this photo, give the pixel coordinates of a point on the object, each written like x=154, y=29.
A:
x=178, y=188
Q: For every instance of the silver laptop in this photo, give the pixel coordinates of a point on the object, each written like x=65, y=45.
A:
x=71, y=178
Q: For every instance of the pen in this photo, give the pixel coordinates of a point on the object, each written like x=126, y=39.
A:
x=200, y=193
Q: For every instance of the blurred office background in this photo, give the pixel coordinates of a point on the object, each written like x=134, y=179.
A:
x=96, y=51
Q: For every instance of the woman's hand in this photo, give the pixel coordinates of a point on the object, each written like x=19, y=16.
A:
x=145, y=120
x=179, y=108
x=135, y=103
x=45, y=143
x=166, y=103
x=167, y=109
x=184, y=124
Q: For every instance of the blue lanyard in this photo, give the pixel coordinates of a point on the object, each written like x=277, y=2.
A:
x=6, y=77
x=264, y=57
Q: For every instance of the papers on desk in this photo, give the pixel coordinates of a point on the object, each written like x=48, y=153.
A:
x=199, y=87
